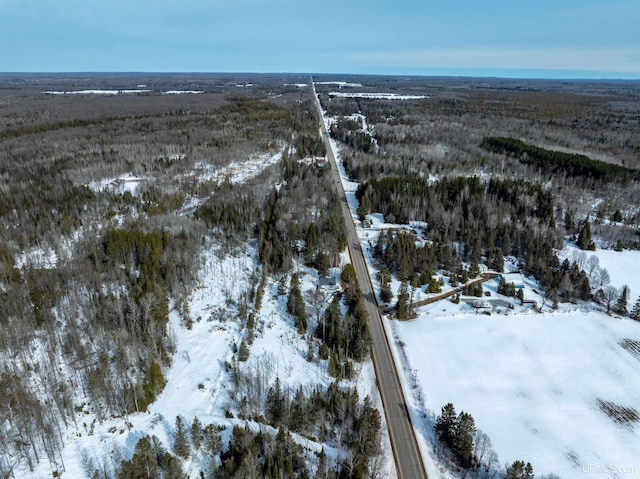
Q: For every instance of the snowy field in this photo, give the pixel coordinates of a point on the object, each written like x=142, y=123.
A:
x=118, y=92
x=537, y=384
x=377, y=96
x=623, y=267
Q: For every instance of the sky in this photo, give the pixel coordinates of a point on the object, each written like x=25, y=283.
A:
x=508, y=38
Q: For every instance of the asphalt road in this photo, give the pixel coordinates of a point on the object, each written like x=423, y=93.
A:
x=403, y=441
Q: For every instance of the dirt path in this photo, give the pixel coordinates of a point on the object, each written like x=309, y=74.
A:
x=484, y=277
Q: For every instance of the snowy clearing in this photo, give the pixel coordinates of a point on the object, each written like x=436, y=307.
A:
x=377, y=96
x=119, y=185
x=536, y=384
x=340, y=84
x=96, y=92
x=621, y=265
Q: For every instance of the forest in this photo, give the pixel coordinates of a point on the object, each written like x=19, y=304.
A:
x=109, y=206
x=92, y=268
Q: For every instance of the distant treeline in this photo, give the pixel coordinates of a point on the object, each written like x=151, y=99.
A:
x=8, y=134
x=555, y=161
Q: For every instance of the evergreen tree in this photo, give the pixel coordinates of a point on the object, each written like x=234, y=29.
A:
x=584, y=237
x=498, y=261
x=243, y=352
x=474, y=270
x=403, y=308
x=276, y=404
x=211, y=441
x=295, y=304
x=349, y=274
x=447, y=424
x=298, y=413
x=181, y=441
x=143, y=464
x=196, y=433
x=635, y=312
x=386, y=294
x=171, y=467
x=463, y=442
x=568, y=221
x=519, y=470
x=322, y=472
x=623, y=299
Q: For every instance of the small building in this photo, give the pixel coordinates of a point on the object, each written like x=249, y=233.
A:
x=480, y=304
x=330, y=281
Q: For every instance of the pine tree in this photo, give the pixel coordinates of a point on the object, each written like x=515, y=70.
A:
x=635, y=312
x=463, y=441
x=144, y=460
x=298, y=413
x=623, y=299
x=446, y=424
x=276, y=404
x=584, y=237
x=519, y=470
x=243, y=352
x=403, y=308
x=211, y=441
x=181, y=442
x=386, y=294
x=295, y=304
x=196, y=433
x=498, y=261
x=474, y=270
x=322, y=472
x=349, y=274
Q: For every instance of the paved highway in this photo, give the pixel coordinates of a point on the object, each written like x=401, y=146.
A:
x=403, y=441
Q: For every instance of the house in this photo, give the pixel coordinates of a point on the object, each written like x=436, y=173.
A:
x=480, y=304
x=330, y=281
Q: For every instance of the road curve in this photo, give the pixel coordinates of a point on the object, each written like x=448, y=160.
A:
x=402, y=436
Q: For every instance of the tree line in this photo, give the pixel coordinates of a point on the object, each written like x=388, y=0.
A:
x=572, y=164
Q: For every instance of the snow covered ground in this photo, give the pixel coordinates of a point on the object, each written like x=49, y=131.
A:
x=377, y=96
x=119, y=185
x=198, y=383
x=96, y=92
x=535, y=383
x=119, y=92
x=623, y=266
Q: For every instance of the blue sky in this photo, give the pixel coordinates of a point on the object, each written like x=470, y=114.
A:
x=514, y=38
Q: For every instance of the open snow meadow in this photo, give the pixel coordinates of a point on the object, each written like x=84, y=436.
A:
x=545, y=387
